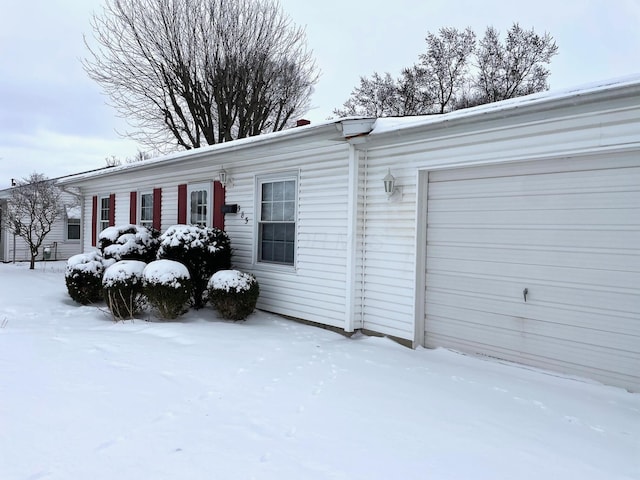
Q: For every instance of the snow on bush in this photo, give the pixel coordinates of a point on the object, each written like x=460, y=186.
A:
x=83, y=277
x=129, y=242
x=167, y=286
x=203, y=250
x=123, y=288
x=233, y=293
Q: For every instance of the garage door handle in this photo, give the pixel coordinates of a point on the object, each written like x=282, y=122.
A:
x=525, y=292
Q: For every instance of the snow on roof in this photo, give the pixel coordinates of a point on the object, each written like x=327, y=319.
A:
x=225, y=146
x=394, y=124
x=381, y=125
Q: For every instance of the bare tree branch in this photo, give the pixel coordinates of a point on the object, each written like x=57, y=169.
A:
x=33, y=207
x=200, y=72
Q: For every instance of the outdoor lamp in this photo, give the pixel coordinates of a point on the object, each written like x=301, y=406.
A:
x=389, y=183
x=222, y=177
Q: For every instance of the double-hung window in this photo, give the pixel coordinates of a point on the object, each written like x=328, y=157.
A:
x=199, y=196
x=104, y=213
x=277, y=220
x=146, y=209
x=72, y=217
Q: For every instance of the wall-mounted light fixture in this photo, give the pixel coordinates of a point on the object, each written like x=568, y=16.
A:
x=223, y=177
x=389, y=184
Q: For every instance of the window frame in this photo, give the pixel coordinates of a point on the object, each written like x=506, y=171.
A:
x=260, y=223
x=208, y=204
x=99, y=220
x=149, y=222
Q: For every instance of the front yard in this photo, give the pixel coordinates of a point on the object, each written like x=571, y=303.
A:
x=82, y=397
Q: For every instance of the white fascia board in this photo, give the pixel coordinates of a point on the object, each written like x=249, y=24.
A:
x=301, y=134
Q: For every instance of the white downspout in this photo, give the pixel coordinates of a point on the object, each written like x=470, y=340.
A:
x=352, y=237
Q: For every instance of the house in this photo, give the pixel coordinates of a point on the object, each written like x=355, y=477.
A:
x=61, y=243
x=510, y=230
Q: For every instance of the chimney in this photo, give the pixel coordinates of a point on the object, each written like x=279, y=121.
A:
x=302, y=122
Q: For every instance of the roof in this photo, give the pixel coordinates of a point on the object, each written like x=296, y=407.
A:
x=338, y=129
x=363, y=127
x=395, y=124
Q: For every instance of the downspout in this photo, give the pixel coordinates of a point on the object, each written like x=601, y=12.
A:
x=352, y=237
x=363, y=242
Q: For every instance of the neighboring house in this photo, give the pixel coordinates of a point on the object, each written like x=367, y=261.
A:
x=511, y=230
x=62, y=242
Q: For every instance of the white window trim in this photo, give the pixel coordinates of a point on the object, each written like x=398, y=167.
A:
x=139, y=206
x=193, y=187
x=99, y=213
x=66, y=230
x=268, y=178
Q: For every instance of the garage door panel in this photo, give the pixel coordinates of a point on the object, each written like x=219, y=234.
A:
x=540, y=184
x=563, y=295
x=538, y=218
x=535, y=324
x=602, y=259
x=553, y=352
x=551, y=237
x=590, y=278
x=571, y=237
x=495, y=202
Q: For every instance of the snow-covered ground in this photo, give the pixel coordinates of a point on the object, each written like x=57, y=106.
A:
x=82, y=397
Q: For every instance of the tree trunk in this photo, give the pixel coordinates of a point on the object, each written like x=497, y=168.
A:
x=32, y=265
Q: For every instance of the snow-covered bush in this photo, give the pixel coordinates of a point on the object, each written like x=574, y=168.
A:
x=83, y=277
x=122, y=284
x=203, y=250
x=167, y=286
x=233, y=293
x=129, y=242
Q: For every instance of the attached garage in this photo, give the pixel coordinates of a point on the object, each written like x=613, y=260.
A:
x=538, y=263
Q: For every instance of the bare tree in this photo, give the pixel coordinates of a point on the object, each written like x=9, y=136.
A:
x=375, y=97
x=446, y=64
x=140, y=156
x=454, y=73
x=515, y=68
x=33, y=206
x=199, y=72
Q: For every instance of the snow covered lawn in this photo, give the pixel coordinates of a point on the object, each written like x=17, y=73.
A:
x=82, y=397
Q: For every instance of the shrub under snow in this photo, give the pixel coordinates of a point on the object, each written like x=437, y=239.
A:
x=122, y=284
x=203, y=250
x=129, y=242
x=83, y=277
x=233, y=293
x=167, y=286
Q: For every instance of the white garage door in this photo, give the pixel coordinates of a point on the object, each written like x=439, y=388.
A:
x=565, y=234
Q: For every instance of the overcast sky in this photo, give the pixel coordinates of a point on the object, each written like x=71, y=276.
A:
x=54, y=119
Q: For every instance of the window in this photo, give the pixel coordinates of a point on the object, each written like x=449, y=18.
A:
x=72, y=218
x=277, y=223
x=199, y=196
x=104, y=212
x=146, y=210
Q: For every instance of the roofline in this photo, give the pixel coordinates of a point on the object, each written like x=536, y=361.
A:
x=607, y=89
x=342, y=127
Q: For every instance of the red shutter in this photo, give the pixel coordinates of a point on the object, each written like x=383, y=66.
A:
x=157, y=208
x=182, y=204
x=112, y=209
x=218, y=202
x=94, y=221
x=133, y=207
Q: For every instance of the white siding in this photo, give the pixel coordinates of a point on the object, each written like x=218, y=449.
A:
x=61, y=248
x=316, y=289
x=572, y=238
x=392, y=226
